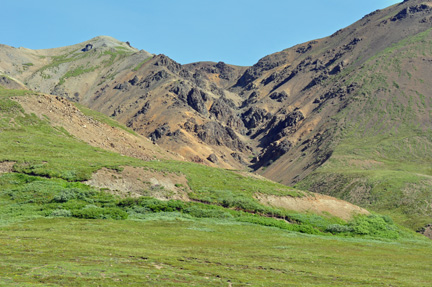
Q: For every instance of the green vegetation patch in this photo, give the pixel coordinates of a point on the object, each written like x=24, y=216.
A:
x=115, y=54
x=13, y=93
x=76, y=72
x=142, y=63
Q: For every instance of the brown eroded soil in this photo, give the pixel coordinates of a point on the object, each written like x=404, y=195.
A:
x=428, y=232
x=139, y=181
x=6, y=166
x=316, y=203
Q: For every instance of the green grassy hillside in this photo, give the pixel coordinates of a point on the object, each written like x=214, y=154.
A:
x=381, y=159
x=50, y=164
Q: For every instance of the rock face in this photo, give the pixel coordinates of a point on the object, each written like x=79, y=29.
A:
x=212, y=158
x=411, y=10
x=214, y=133
x=159, y=132
x=87, y=48
x=272, y=153
x=196, y=99
x=254, y=117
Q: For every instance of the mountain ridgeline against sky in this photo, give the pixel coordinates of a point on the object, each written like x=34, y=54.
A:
x=348, y=115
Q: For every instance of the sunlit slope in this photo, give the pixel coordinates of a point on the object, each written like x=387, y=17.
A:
x=381, y=155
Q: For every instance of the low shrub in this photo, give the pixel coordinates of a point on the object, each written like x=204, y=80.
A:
x=374, y=225
x=61, y=213
x=337, y=228
x=94, y=212
x=199, y=212
x=279, y=224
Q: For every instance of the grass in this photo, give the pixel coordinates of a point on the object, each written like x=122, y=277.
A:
x=202, y=179
x=142, y=63
x=118, y=52
x=76, y=72
x=6, y=93
x=174, y=251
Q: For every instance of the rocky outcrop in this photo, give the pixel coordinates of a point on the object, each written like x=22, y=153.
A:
x=212, y=158
x=149, y=82
x=152, y=80
x=279, y=96
x=192, y=96
x=306, y=48
x=279, y=128
x=160, y=132
x=426, y=231
x=196, y=99
x=214, y=133
x=340, y=92
x=164, y=61
x=9, y=83
x=87, y=48
x=134, y=81
x=223, y=110
x=122, y=87
x=407, y=12
x=267, y=63
x=225, y=72
x=254, y=117
x=271, y=153
x=238, y=158
x=144, y=109
x=288, y=73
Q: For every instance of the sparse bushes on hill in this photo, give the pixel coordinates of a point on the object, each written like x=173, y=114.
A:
x=59, y=198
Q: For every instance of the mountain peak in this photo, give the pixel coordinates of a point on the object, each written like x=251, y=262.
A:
x=108, y=42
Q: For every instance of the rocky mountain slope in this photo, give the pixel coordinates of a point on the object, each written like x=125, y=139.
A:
x=347, y=115
x=49, y=137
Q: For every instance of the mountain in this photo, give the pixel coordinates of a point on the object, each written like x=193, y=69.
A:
x=88, y=200
x=346, y=115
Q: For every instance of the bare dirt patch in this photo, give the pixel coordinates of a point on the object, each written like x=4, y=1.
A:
x=315, y=203
x=6, y=166
x=427, y=231
x=140, y=181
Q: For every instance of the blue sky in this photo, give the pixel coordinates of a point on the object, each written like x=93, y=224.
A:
x=237, y=32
